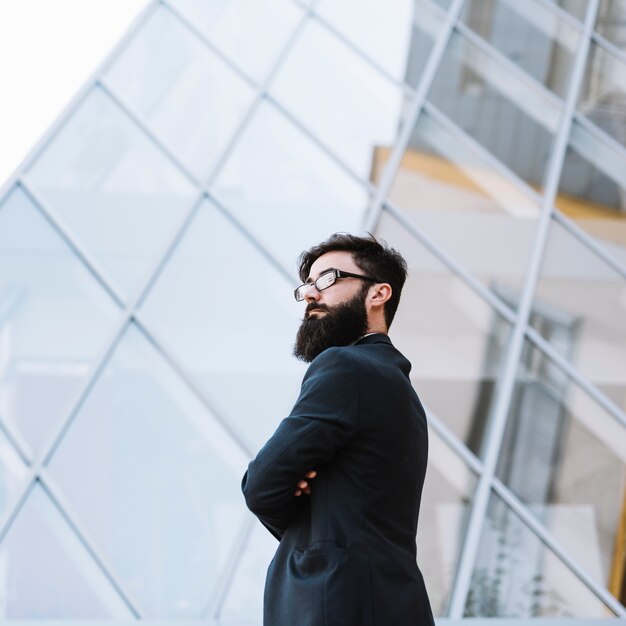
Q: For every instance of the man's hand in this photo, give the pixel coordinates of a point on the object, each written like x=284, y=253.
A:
x=303, y=485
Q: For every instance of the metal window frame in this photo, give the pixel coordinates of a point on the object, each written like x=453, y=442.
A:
x=130, y=313
x=507, y=381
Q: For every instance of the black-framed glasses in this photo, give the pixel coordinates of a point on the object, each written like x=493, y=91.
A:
x=327, y=279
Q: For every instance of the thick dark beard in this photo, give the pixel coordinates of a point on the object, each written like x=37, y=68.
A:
x=342, y=325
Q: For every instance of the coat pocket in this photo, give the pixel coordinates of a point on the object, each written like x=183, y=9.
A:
x=326, y=577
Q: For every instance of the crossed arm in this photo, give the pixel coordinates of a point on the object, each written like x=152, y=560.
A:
x=321, y=422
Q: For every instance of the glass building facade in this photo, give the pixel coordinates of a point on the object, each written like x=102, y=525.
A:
x=147, y=261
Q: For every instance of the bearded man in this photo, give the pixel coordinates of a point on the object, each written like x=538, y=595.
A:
x=339, y=483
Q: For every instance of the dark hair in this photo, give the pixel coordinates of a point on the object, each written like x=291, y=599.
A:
x=373, y=256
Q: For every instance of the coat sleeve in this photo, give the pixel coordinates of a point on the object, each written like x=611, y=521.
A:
x=321, y=422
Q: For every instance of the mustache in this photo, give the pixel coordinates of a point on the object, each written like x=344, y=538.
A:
x=314, y=306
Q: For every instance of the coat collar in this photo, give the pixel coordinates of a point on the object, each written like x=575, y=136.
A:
x=374, y=338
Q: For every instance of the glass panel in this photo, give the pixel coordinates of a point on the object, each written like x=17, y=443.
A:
x=13, y=473
x=397, y=35
x=603, y=92
x=276, y=181
x=184, y=91
x=529, y=34
x=55, y=320
x=516, y=575
x=48, y=573
x=577, y=8
x=155, y=480
x=111, y=185
x=339, y=97
x=448, y=490
x=230, y=340
x=565, y=458
x=503, y=113
x=454, y=340
x=591, y=330
x=252, y=34
x=455, y=196
x=610, y=21
x=592, y=189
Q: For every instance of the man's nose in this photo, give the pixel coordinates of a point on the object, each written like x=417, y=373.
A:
x=311, y=294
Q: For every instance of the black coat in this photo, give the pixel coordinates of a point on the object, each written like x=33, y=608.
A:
x=347, y=552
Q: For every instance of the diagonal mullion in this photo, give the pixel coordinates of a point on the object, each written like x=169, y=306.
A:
x=508, y=314
x=331, y=28
x=537, y=527
x=49, y=485
x=95, y=268
x=69, y=110
x=216, y=604
x=589, y=242
x=10, y=431
x=522, y=186
x=421, y=93
x=264, y=94
x=37, y=469
x=506, y=383
x=600, y=398
x=456, y=268
x=555, y=546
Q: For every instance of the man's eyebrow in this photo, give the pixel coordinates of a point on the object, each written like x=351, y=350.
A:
x=310, y=280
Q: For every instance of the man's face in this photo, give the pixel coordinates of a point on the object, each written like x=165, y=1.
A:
x=336, y=316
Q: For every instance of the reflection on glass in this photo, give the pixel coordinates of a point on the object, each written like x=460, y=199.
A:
x=576, y=8
x=455, y=196
x=231, y=319
x=497, y=100
x=454, y=340
x=110, y=184
x=293, y=184
x=603, y=94
x=398, y=34
x=529, y=34
x=339, y=97
x=182, y=89
x=54, y=322
x=591, y=330
x=610, y=21
x=51, y=575
x=154, y=479
x=252, y=34
x=592, y=189
x=516, y=575
x=565, y=458
x=448, y=490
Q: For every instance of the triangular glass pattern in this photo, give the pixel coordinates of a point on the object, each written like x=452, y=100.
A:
x=56, y=320
x=384, y=32
x=291, y=113
x=294, y=183
x=251, y=34
x=110, y=183
x=343, y=100
x=230, y=318
x=50, y=573
x=182, y=90
x=154, y=479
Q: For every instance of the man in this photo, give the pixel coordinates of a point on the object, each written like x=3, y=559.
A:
x=340, y=481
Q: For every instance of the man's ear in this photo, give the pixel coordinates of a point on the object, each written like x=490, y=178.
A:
x=379, y=294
